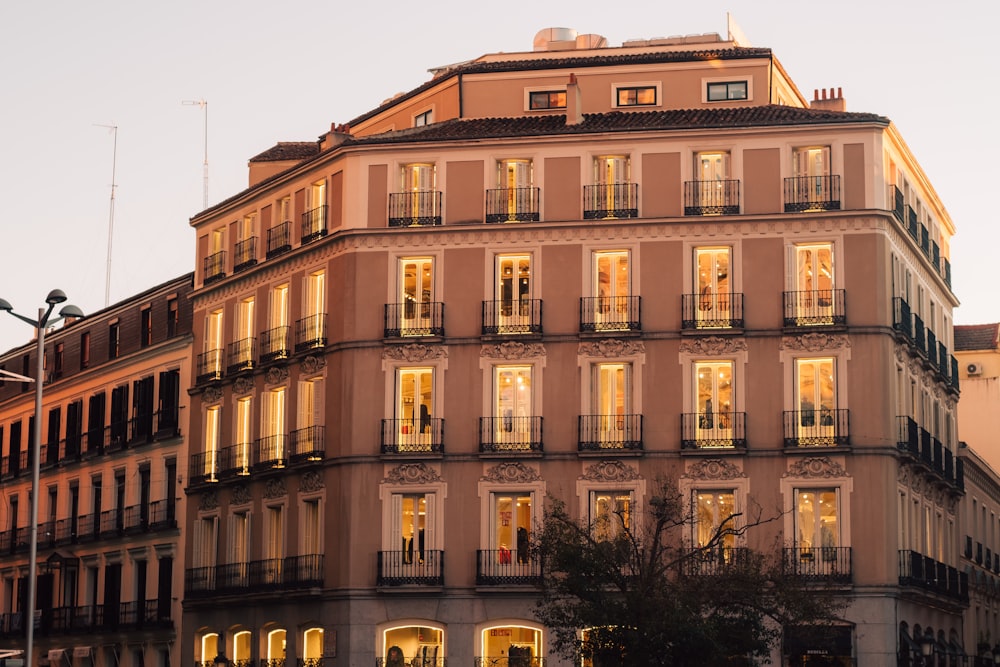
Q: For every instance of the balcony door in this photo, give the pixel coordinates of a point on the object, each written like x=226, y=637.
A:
x=715, y=512
x=715, y=400
x=414, y=408
x=811, y=167
x=514, y=177
x=513, y=292
x=511, y=531
x=416, y=284
x=817, y=523
x=513, y=410
x=814, y=283
x=816, y=399
x=418, y=180
x=612, y=173
x=612, y=286
x=714, y=288
x=411, y=534
x=712, y=172
x=612, y=401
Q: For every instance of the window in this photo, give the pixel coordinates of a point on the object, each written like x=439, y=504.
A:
x=241, y=647
x=514, y=305
x=312, y=327
x=84, y=350
x=817, y=522
x=612, y=195
x=412, y=533
x=636, y=96
x=714, y=419
x=244, y=436
x=114, y=333
x=274, y=542
x=275, y=342
x=510, y=526
x=546, y=99
x=241, y=351
x=173, y=318
x=213, y=330
x=312, y=527
x=209, y=466
x=514, y=199
x=513, y=410
x=413, y=644
x=314, y=219
x=418, y=203
x=715, y=510
x=812, y=186
x=612, y=306
x=713, y=190
x=425, y=118
x=307, y=440
x=816, y=401
x=146, y=327
x=315, y=293
x=726, y=90
x=713, y=288
x=58, y=359
x=511, y=645
x=239, y=540
x=611, y=513
x=312, y=650
x=272, y=448
x=612, y=422
x=416, y=294
x=414, y=408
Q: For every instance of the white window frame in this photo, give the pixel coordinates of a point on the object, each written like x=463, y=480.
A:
x=545, y=89
x=434, y=536
x=657, y=86
x=844, y=485
x=747, y=79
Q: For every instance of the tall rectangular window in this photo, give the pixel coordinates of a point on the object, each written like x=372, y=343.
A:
x=611, y=513
x=611, y=404
x=510, y=526
x=414, y=406
x=513, y=408
x=612, y=287
x=315, y=293
x=273, y=446
x=817, y=522
x=416, y=294
x=713, y=386
x=816, y=399
x=715, y=515
x=312, y=527
x=114, y=342
x=244, y=435
x=245, y=319
x=411, y=529
x=239, y=541
x=814, y=282
x=146, y=327
x=713, y=287
x=514, y=293
x=173, y=317
x=213, y=419
x=84, y=350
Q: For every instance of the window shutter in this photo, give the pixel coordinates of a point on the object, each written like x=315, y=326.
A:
x=396, y=523
x=430, y=521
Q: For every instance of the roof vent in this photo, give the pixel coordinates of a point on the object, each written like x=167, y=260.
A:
x=591, y=41
x=555, y=39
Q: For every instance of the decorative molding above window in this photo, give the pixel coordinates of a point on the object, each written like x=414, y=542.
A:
x=815, y=342
x=611, y=348
x=275, y=488
x=414, y=352
x=513, y=350
x=311, y=481
x=212, y=394
x=610, y=471
x=713, y=469
x=412, y=473
x=243, y=385
x=240, y=495
x=312, y=363
x=511, y=473
x=208, y=501
x=713, y=345
x=816, y=466
x=276, y=375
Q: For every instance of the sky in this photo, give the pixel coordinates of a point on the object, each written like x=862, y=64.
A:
x=285, y=71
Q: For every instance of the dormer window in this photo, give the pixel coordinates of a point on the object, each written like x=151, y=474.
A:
x=724, y=91
x=539, y=100
x=636, y=96
x=425, y=118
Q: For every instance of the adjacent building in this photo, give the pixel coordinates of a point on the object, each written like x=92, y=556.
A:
x=110, y=571
x=569, y=271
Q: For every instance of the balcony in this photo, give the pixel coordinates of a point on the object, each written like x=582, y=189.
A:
x=919, y=334
x=214, y=267
x=512, y=205
x=925, y=241
x=902, y=320
x=713, y=430
x=256, y=576
x=932, y=347
x=816, y=428
x=912, y=225
x=705, y=562
x=924, y=572
x=898, y=208
x=710, y=310
x=271, y=452
x=85, y=619
x=908, y=439
x=422, y=567
x=413, y=436
x=234, y=461
x=609, y=201
x=828, y=564
x=609, y=313
x=307, y=444
x=275, y=344
x=112, y=523
x=510, y=661
x=712, y=197
x=412, y=319
x=313, y=224
x=812, y=308
x=246, y=254
x=279, y=239
x=209, y=367
x=610, y=433
x=812, y=193
x=204, y=468
x=414, y=209
x=507, y=567
x=310, y=333
x=511, y=316
x=505, y=435
x=240, y=356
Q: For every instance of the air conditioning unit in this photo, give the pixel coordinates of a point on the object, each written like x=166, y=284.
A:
x=974, y=369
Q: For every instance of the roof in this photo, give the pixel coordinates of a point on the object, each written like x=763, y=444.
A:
x=970, y=337
x=288, y=150
x=570, y=61
x=458, y=129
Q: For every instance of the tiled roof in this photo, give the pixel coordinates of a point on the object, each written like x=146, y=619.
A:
x=976, y=336
x=575, y=62
x=619, y=121
x=288, y=150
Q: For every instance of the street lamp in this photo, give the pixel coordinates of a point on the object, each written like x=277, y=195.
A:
x=927, y=647
x=54, y=298
x=996, y=654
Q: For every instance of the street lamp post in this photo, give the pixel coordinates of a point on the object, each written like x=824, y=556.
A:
x=54, y=298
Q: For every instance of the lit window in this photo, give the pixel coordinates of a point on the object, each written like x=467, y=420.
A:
x=547, y=99
x=727, y=90
x=611, y=513
x=637, y=96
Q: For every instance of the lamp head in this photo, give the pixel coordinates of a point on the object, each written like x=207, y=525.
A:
x=55, y=296
x=70, y=311
x=5, y=305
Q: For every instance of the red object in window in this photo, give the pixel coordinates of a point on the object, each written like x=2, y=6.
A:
x=504, y=556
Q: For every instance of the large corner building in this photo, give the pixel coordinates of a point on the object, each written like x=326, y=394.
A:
x=570, y=271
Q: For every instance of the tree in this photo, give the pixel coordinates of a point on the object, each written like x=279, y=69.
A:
x=628, y=590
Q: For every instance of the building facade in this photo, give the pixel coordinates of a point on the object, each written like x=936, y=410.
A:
x=110, y=571
x=569, y=272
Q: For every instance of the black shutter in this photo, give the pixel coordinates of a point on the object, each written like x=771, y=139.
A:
x=95, y=423
x=52, y=444
x=170, y=385
x=112, y=594
x=119, y=416
x=142, y=410
x=163, y=587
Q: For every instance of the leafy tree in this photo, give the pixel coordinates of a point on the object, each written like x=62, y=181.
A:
x=633, y=593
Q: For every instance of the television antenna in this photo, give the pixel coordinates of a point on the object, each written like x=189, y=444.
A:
x=203, y=104
x=111, y=213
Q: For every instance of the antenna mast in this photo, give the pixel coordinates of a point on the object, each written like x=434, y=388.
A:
x=111, y=213
x=203, y=104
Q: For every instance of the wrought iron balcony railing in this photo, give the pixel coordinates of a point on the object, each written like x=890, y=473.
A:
x=314, y=224
x=713, y=430
x=898, y=207
x=812, y=193
x=822, y=427
x=214, y=267
x=712, y=197
x=507, y=567
x=402, y=320
x=279, y=239
x=709, y=562
x=271, y=452
x=275, y=344
x=241, y=356
x=307, y=444
x=234, y=461
x=411, y=436
x=510, y=434
x=512, y=661
x=924, y=572
x=512, y=205
x=204, y=468
x=919, y=334
x=209, y=366
x=246, y=254
x=610, y=313
x=418, y=208
x=310, y=333
x=902, y=319
x=428, y=660
x=411, y=567
x=269, y=574
x=604, y=433
x=831, y=564
x=912, y=224
x=512, y=316
x=812, y=308
x=710, y=310
x=610, y=201
x=908, y=439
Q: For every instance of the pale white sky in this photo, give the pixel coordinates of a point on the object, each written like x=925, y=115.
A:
x=284, y=71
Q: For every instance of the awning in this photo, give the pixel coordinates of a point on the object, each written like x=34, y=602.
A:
x=910, y=644
x=82, y=651
x=55, y=654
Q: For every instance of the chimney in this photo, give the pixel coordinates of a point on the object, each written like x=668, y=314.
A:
x=337, y=135
x=832, y=100
x=574, y=104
